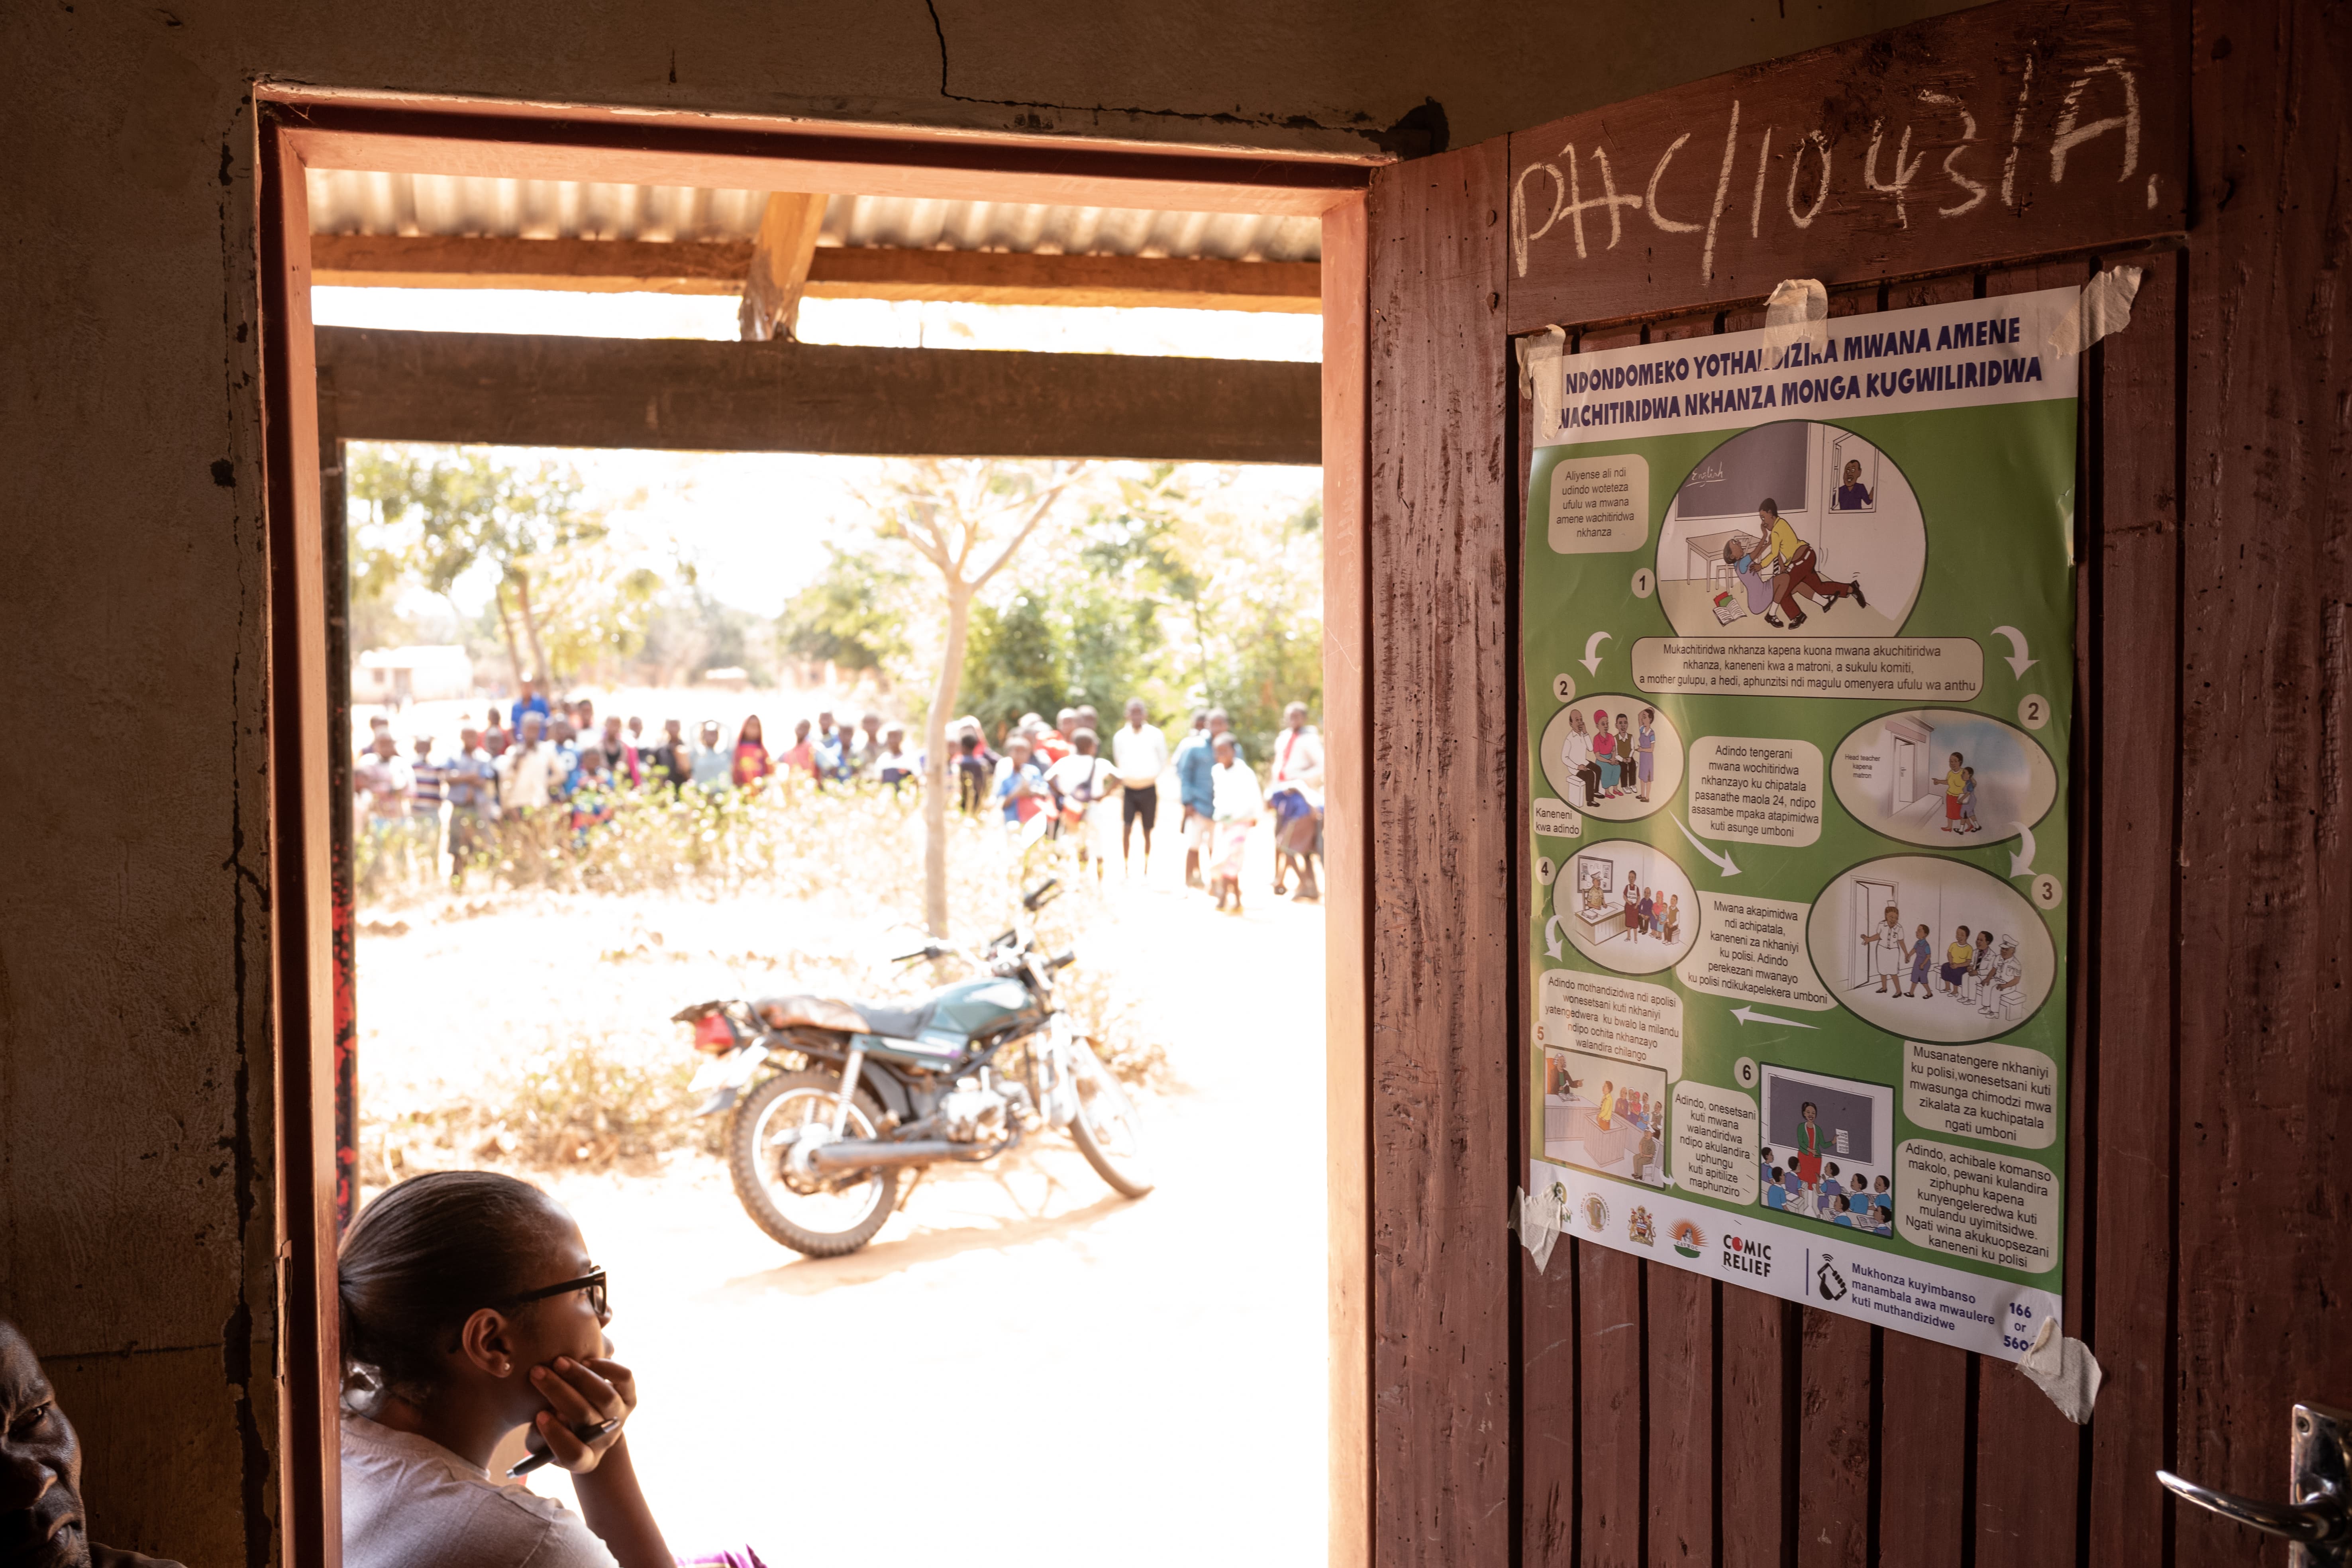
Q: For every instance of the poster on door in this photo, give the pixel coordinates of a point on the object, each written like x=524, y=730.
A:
x=1799, y=637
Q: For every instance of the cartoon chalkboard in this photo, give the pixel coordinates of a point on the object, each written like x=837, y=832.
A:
x=1730, y=481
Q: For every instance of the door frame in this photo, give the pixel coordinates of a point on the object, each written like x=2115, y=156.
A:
x=297, y=128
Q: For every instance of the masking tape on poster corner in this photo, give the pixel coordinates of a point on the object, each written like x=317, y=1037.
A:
x=2065, y=1370
x=1797, y=311
x=2103, y=308
x=1546, y=346
x=1537, y=1222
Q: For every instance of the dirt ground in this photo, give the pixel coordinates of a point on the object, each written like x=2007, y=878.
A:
x=1022, y=1367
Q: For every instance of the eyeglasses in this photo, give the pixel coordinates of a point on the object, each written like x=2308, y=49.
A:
x=599, y=1294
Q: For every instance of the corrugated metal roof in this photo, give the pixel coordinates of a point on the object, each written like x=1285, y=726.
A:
x=349, y=202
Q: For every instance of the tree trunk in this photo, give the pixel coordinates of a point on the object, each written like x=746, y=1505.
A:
x=538, y=670
x=506, y=629
x=935, y=761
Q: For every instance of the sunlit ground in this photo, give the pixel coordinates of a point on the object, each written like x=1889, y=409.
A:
x=1023, y=1367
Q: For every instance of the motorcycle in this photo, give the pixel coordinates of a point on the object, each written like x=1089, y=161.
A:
x=829, y=1102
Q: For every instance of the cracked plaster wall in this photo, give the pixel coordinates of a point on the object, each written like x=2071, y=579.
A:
x=137, y=1185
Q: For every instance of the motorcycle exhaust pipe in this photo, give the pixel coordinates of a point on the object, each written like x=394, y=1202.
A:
x=868, y=1154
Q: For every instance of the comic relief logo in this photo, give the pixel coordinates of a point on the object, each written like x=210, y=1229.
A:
x=1742, y=1255
x=1828, y=1282
x=1641, y=1229
x=1688, y=1239
x=1595, y=1212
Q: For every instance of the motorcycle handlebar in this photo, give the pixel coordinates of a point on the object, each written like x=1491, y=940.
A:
x=1039, y=894
x=1063, y=961
x=934, y=950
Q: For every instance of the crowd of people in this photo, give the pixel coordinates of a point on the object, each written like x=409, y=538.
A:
x=1053, y=781
x=534, y=757
x=1058, y=782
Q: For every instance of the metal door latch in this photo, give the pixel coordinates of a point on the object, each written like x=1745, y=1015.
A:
x=2319, y=1519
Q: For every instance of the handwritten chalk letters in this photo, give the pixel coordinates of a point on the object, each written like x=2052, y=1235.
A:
x=2020, y=128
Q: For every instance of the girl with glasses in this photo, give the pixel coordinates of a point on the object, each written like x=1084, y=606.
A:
x=470, y=1308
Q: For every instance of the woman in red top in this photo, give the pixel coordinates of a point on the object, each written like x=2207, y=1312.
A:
x=752, y=763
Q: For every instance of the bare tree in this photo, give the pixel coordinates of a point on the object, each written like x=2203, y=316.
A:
x=966, y=517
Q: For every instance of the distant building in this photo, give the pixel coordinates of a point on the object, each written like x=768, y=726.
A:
x=398, y=675
x=727, y=677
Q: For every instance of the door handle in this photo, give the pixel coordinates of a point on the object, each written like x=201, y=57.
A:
x=2318, y=1520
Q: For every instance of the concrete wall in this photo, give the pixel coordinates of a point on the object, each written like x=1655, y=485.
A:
x=137, y=1180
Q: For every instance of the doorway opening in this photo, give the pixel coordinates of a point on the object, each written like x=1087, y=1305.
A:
x=778, y=879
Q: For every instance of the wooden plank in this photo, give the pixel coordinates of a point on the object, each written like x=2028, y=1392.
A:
x=1923, y=1453
x=1347, y=886
x=1611, y=1466
x=2137, y=569
x=680, y=395
x=1923, y=1386
x=1833, y=1441
x=1762, y=1388
x=779, y=269
x=308, y=1376
x=1892, y=156
x=1838, y=1435
x=1759, y=1463
x=2264, y=1103
x=1679, y=1386
x=341, y=131
x=498, y=261
x=1680, y=1377
x=2028, y=1460
x=835, y=271
x=1007, y=278
x=1441, y=973
x=1610, y=1460
x=1548, y=1442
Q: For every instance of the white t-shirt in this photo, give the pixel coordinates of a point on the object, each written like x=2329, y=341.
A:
x=1085, y=780
x=1140, y=755
x=523, y=775
x=1235, y=793
x=1299, y=758
x=408, y=1503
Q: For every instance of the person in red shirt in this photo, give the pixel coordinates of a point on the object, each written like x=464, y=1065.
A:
x=752, y=763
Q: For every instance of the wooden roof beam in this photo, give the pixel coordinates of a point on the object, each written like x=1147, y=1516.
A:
x=692, y=394
x=780, y=265
x=834, y=272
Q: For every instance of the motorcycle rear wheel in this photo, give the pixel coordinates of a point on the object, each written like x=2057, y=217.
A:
x=831, y=1223
x=1104, y=1128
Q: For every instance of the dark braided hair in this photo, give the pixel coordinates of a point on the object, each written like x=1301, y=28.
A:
x=420, y=1260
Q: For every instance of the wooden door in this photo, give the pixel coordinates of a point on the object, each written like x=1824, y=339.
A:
x=1612, y=1412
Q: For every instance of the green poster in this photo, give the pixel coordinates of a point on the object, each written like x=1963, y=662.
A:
x=1800, y=653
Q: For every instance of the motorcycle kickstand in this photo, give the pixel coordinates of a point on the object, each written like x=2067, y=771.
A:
x=912, y=1183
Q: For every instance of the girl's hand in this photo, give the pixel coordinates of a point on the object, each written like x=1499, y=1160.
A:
x=581, y=1396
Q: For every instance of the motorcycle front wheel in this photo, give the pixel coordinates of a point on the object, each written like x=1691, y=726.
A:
x=1104, y=1128
x=822, y=1218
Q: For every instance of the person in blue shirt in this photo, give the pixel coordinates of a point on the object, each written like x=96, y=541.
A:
x=1020, y=782
x=1194, y=791
x=530, y=702
x=1775, y=1196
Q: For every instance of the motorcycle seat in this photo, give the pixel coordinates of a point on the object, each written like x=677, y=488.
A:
x=899, y=1022
x=812, y=1012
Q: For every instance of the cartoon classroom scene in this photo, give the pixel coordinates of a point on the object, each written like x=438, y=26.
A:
x=1943, y=777
x=1627, y=905
x=1606, y=1116
x=1829, y=1153
x=1793, y=529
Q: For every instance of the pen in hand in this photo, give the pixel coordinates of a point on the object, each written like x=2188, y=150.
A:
x=532, y=1462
